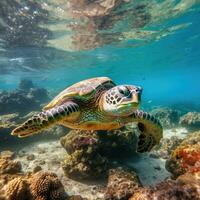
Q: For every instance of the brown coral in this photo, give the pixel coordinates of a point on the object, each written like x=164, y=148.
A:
x=121, y=184
x=186, y=157
x=7, y=154
x=16, y=189
x=84, y=164
x=90, y=152
x=46, y=186
x=8, y=166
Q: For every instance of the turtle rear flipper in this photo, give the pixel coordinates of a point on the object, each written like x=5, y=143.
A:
x=45, y=119
x=150, y=128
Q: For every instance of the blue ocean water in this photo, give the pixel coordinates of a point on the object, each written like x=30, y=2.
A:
x=166, y=64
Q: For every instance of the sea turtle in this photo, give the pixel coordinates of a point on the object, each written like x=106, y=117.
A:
x=96, y=104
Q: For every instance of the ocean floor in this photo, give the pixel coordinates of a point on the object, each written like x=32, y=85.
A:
x=49, y=154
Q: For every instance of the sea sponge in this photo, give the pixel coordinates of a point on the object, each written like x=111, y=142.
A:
x=46, y=186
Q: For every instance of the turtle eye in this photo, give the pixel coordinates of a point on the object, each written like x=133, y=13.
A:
x=125, y=92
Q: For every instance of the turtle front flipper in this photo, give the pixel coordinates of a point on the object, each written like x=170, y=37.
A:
x=150, y=128
x=45, y=119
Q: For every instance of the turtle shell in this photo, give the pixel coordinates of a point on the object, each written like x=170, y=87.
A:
x=83, y=90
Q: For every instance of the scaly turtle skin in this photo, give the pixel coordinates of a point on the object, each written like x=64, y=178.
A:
x=96, y=104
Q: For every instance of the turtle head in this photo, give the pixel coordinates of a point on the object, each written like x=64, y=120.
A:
x=121, y=100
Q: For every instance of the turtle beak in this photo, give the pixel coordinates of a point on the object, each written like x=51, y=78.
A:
x=136, y=97
x=135, y=101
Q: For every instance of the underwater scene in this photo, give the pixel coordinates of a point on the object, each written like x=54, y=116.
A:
x=99, y=99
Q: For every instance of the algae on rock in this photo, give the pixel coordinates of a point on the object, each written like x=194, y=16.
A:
x=91, y=152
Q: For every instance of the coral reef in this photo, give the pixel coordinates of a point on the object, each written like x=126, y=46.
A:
x=9, y=170
x=24, y=99
x=16, y=185
x=191, y=121
x=46, y=186
x=38, y=186
x=165, y=148
x=186, y=157
x=9, y=166
x=76, y=140
x=167, y=116
x=7, y=154
x=185, y=187
x=89, y=152
x=8, y=121
x=84, y=164
x=16, y=189
x=122, y=183
x=115, y=143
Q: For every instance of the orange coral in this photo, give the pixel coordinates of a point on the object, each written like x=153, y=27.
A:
x=186, y=157
x=190, y=159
